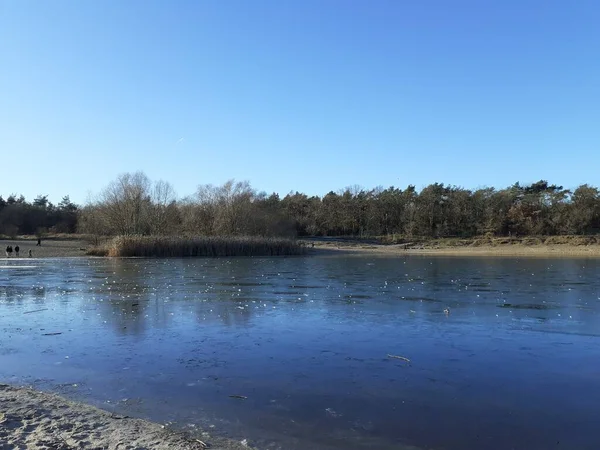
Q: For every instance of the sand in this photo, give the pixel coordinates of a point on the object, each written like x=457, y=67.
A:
x=515, y=250
x=35, y=420
x=50, y=248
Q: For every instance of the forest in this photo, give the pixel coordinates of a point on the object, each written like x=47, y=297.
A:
x=20, y=217
x=134, y=205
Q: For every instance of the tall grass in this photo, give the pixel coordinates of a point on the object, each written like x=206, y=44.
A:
x=164, y=247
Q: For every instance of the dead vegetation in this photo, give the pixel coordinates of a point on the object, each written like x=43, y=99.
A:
x=490, y=241
x=165, y=247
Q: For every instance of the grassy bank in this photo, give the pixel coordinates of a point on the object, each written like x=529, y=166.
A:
x=424, y=242
x=539, y=246
x=491, y=241
x=165, y=247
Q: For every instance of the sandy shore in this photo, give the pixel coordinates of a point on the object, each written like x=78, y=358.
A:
x=54, y=248
x=515, y=250
x=35, y=420
x=50, y=248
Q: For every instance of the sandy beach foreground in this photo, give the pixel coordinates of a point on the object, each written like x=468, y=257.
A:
x=35, y=420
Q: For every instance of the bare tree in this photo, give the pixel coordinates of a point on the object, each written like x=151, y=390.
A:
x=91, y=221
x=126, y=202
x=163, y=211
x=224, y=209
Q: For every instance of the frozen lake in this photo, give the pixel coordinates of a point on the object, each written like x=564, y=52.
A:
x=504, y=353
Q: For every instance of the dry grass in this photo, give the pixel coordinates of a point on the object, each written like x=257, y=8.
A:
x=165, y=247
x=534, y=246
x=491, y=241
x=100, y=250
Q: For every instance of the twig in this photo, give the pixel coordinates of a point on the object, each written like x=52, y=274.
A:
x=35, y=310
x=242, y=397
x=399, y=357
x=52, y=334
x=202, y=444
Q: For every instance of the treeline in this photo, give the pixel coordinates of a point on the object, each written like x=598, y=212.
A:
x=134, y=205
x=448, y=211
x=18, y=216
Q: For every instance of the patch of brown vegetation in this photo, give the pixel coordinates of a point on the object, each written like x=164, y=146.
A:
x=165, y=247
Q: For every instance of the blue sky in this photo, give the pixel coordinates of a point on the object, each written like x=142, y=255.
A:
x=310, y=95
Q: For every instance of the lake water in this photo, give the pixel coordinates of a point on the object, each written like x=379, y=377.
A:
x=504, y=353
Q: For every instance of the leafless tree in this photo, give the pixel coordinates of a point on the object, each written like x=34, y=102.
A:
x=222, y=209
x=125, y=203
x=163, y=210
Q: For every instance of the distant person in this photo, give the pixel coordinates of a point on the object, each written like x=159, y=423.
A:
x=17, y=251
x=39, y=243
x=30, y=253
x=9, y=251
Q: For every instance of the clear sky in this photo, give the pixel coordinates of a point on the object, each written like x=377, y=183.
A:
x=310, y=95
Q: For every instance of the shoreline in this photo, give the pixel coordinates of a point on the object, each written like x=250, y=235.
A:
x=32, y=419
x=502, y=250
x=566, y=247
x=50, y=248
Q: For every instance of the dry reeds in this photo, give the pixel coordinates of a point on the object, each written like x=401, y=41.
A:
x=205, y=246
x=98, y=250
